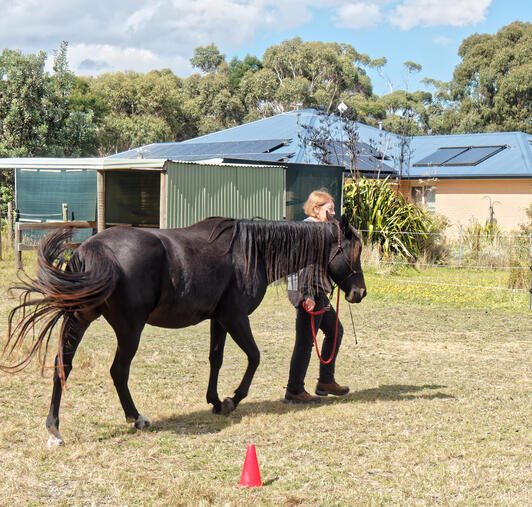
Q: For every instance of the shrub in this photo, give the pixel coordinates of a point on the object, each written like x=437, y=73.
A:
x=385, y=217
x=520, y=258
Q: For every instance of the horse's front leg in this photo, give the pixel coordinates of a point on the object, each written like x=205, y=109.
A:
x=240, y=331
x=216, y=356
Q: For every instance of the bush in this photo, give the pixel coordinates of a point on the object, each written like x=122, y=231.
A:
x=385, y=217
x=519, y=277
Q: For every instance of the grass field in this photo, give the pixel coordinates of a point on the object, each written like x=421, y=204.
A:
x=438, y=414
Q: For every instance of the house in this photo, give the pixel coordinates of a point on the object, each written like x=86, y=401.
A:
x=468, y=177
x=463, y=177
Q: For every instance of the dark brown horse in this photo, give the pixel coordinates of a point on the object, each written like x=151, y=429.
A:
x=217, y=269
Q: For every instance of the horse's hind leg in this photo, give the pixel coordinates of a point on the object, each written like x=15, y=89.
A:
x=216, y=356
x=73, y=329
x=128, y=342
x=240, y=331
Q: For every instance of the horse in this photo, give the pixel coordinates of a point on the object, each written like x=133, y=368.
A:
x=216, y=269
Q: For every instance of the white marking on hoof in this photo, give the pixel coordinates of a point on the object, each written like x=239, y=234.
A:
x=54, y=438
x=142, y=422
x=228, y=406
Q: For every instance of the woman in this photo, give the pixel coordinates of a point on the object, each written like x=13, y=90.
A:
x=319, y=206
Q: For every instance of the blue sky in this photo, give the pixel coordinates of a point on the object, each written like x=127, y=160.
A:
x=142, y=35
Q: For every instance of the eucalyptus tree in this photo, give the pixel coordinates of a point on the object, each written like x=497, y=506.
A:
x=315, y=73
x=207, y=58
x=239, y=68
x=212, y=101
x=142, y=109
x=493, y=82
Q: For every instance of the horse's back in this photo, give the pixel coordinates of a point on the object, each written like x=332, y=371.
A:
x=168, y=277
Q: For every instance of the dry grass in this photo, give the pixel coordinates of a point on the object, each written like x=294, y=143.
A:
x=439, y=413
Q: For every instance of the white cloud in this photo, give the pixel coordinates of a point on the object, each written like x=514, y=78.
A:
x=442, y=41
x=164, y=27
x=411, y=13
x=357, y=15
x=93, y=59
x=146, y=34
x=142, y=17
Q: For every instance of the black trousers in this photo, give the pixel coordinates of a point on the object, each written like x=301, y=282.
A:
x=305, y=342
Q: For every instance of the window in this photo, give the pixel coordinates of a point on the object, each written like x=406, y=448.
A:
x=424, y=196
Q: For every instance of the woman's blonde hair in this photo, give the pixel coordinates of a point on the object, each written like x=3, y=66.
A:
x=316, y=198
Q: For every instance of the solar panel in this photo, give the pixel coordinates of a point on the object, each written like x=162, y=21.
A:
x=270, y=157
x=440, y=156
x=204, y=150
x=273, y=157
x=256, y=146
x=474, y=155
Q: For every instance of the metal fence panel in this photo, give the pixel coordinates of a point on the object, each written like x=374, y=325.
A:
x=197, y=191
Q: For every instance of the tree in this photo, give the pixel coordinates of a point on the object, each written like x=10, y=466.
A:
x=85, y=99
x=207, y=58
x=23, y=87
x=152, y=103
x=493, y=82
x=238, y=68
x=211, y=98
x=121, y=132
x=315, y=73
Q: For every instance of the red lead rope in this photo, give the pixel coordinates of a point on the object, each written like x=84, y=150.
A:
x=319, y=312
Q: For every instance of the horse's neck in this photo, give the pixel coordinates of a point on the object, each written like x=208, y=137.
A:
x=289, y=252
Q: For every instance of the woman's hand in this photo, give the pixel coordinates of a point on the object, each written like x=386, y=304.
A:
x=309, y=304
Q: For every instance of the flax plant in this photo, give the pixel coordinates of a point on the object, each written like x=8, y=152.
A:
x=385, y=217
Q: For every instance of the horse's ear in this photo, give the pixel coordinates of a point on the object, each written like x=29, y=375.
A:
x=344, y=223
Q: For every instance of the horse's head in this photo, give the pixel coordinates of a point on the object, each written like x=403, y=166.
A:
x=344, y=263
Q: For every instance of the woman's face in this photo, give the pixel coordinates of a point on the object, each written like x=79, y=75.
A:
x=321, y=211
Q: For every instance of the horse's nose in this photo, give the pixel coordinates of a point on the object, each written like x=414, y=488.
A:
x=356, y=295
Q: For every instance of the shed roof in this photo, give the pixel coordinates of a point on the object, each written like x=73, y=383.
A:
x=107, y=163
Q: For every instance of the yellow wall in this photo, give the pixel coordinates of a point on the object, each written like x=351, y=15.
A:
x=462, y=200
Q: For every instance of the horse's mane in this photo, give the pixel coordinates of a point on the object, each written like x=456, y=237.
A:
x=285, y=247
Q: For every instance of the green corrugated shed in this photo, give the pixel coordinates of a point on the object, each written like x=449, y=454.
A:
x=301, y=179
x=196, y=191
x=192, y=190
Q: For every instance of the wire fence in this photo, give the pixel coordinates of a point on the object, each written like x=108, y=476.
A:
x=502, y=254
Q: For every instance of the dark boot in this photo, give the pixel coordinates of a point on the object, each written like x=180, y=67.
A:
x=302, y=397
x=332, y=388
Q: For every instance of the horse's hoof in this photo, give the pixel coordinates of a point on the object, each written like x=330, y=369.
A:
x=228, y=406
x=54, y=438
x=216, y=409
x=142, y=422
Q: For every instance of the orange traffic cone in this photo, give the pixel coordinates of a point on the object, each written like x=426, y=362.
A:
x=250, y=472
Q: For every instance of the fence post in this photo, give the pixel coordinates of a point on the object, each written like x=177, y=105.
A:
x=530, y=290
x=10, y=223
x=18, y=253
x=65, y=212
x=460, y=246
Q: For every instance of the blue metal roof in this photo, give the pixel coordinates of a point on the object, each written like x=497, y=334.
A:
x=284, y=137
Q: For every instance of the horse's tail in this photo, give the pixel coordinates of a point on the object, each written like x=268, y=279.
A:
x=61, y=288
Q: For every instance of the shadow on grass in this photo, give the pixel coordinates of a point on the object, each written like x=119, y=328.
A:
x=204, y=421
